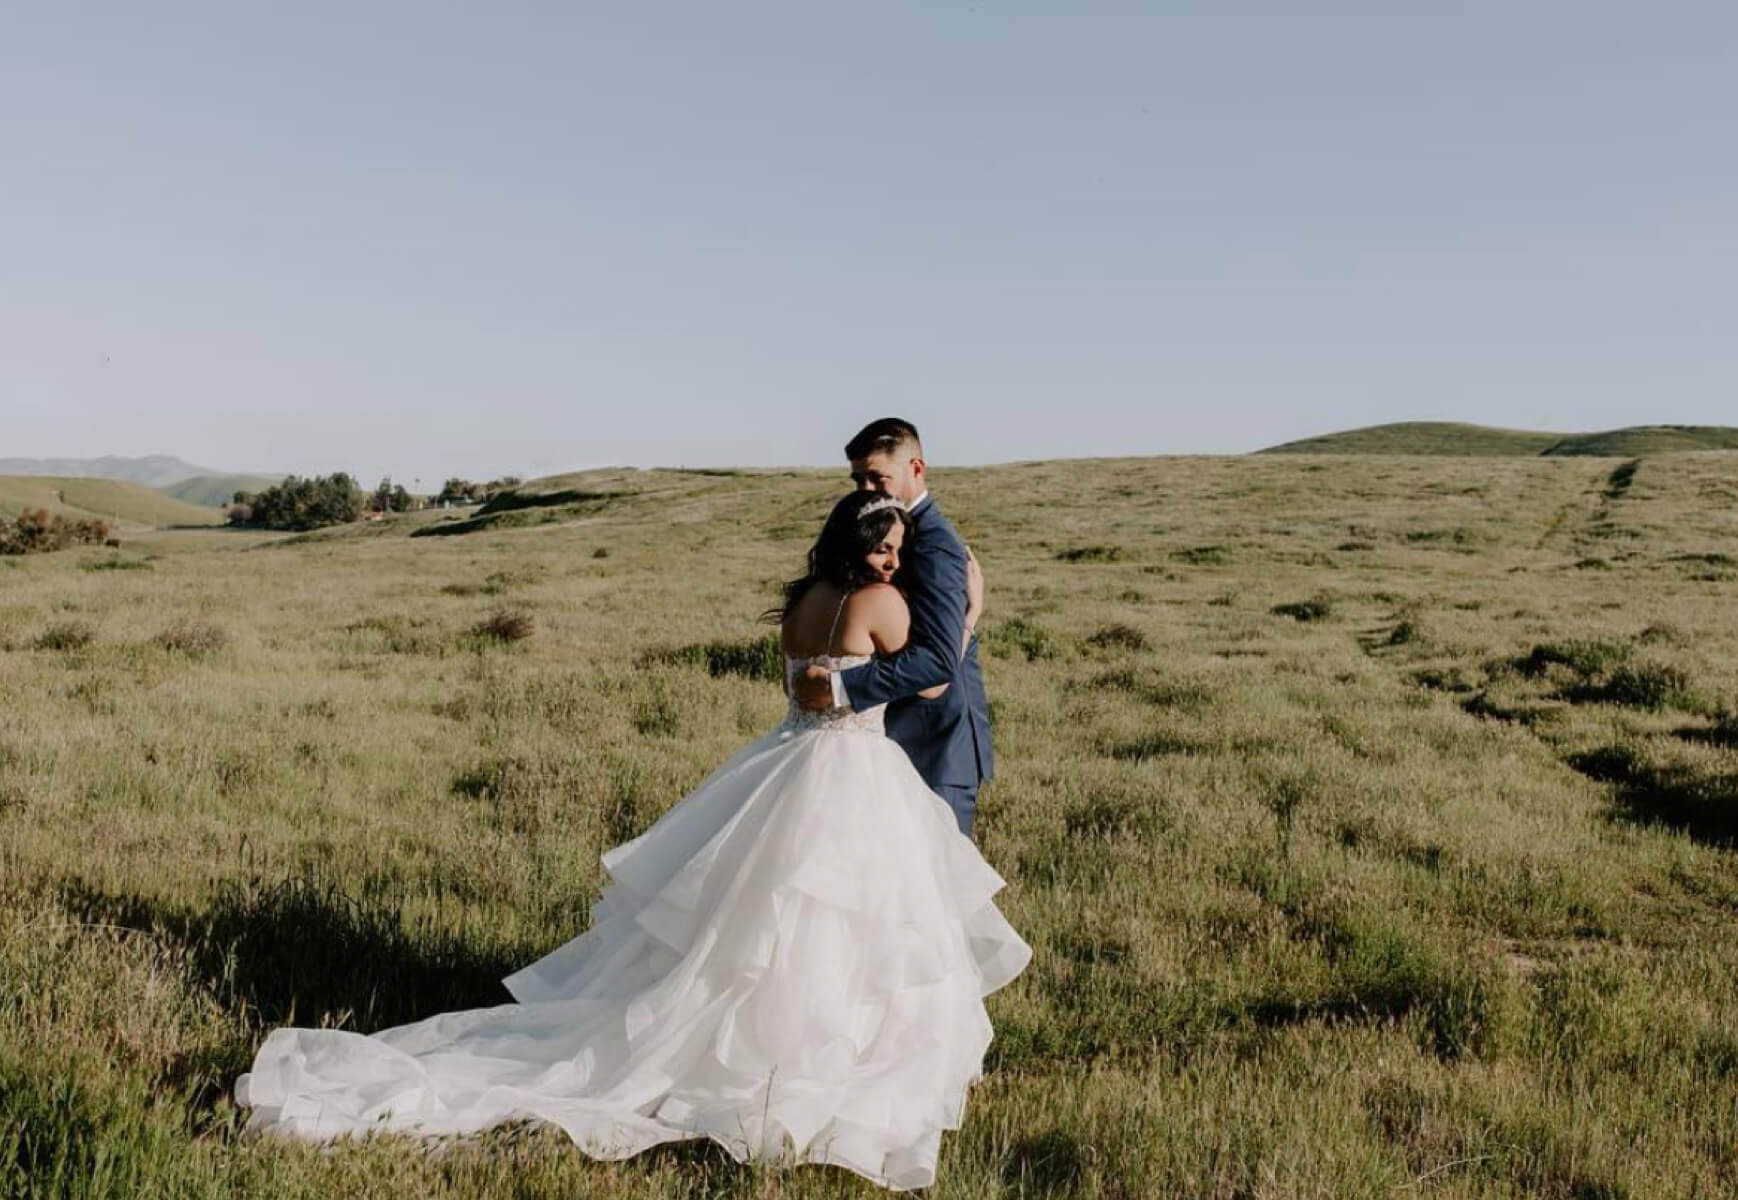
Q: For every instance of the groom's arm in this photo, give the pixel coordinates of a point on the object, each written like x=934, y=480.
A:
x=938, y=634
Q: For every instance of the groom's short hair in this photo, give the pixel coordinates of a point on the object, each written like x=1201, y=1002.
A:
x=885, y=436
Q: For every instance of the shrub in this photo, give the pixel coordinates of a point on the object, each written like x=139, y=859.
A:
x=1203, y=556
x=504, y=625
x=1022, y=637
x=73, y=635
x=1652, y=686
x=1585, y=658
x=37, y=531
x=192, y=638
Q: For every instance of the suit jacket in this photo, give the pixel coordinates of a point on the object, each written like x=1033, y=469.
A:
x=947, y=738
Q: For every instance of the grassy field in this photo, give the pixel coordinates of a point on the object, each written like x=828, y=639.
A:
x=1372, y=819
x=134, y=507
x=1451, y=439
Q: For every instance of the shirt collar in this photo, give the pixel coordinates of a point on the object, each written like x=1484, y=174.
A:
x=918, y=503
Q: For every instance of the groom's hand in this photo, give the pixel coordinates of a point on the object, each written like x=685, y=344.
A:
x=814, y=689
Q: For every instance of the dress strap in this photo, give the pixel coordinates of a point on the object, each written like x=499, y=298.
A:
x=831, y=633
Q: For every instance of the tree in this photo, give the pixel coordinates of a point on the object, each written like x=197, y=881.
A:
x=298, y=503
x=456, y=491
x=389, y=497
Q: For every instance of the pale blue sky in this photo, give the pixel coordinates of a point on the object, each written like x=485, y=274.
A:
x=433, y=239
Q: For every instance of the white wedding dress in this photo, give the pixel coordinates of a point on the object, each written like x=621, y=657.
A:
x=792, y=961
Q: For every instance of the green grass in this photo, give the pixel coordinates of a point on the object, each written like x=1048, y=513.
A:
x=1426, y=890
x=136, y=506
x=1448, y=438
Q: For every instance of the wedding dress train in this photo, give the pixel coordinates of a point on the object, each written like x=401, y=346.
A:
x=792, y=961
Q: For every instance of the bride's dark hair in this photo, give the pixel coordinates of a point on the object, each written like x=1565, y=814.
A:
x=858, y=523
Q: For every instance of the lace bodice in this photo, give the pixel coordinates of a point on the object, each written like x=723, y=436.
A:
x=845, y=720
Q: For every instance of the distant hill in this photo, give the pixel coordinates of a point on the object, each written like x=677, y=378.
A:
x=1451, y=439
x=153, y=470
x=218, y=489
x=1640, y=440
x=110, y=499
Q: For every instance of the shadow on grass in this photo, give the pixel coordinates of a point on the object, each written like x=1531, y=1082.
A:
x=1723, y=733
x=1701, y=805
x=303, y=951
x=1052, y=1163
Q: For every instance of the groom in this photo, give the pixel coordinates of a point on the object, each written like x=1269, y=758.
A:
x=948, y=737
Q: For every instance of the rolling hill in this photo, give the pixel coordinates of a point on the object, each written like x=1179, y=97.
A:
x=1453, y=439
x=131, y=505
x=1641, y=440
x=208, y=490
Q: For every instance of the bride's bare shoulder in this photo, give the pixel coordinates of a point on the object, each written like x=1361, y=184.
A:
x=883, y=616
x=878, y=597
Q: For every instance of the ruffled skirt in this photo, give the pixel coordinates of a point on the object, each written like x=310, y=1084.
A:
x=792, y=961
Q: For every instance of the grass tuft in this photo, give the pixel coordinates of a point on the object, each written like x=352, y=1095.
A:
x=1083, y=554
x=1118, y=637
x=70, y=635
x=504, y=626
x=1318, y=609
x=195, y=639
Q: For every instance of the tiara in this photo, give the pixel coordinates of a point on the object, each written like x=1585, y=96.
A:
x=875, y=506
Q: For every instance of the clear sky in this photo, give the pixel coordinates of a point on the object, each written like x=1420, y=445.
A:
x=433, y=239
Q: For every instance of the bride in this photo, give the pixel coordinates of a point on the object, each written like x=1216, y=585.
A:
x=791, y=961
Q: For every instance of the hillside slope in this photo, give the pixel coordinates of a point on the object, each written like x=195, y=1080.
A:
x=1454, y=439
x=208, y=490
x=111, y=499
x=1642, y=440
x=1447, y=438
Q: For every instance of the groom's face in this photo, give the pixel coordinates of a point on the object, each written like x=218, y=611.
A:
x=898, y=474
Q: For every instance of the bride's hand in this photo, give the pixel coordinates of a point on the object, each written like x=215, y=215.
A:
x=813, y=689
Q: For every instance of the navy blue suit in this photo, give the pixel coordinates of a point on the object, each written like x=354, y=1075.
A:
x=947, y=738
